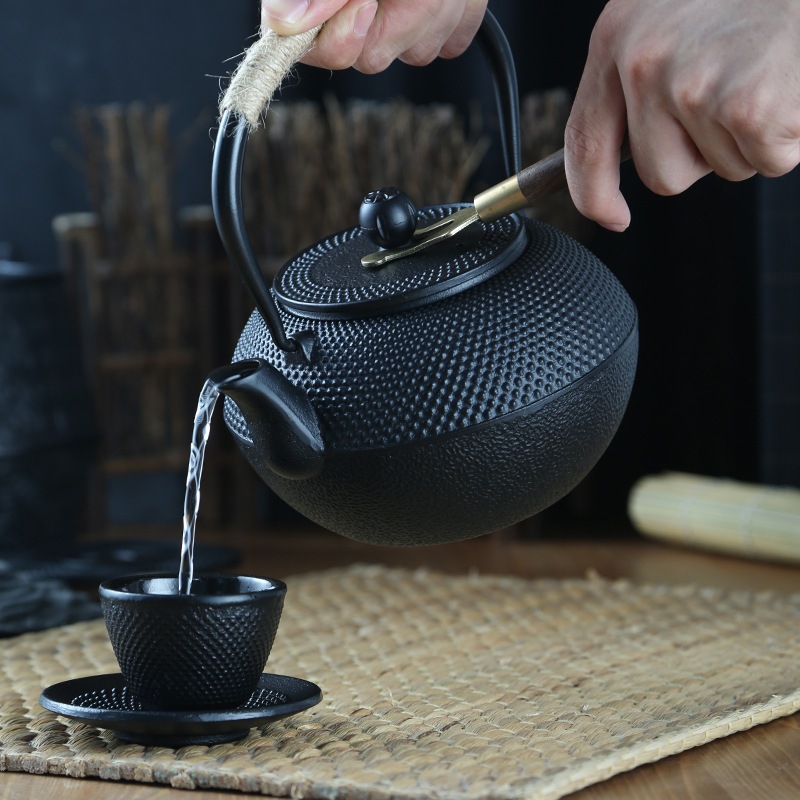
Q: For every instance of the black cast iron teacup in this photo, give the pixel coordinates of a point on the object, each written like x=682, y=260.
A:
x=202, y=650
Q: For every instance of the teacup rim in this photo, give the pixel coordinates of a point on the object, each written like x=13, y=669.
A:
x=112, y=589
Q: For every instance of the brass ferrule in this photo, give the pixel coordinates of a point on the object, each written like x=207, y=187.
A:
x=500, y=199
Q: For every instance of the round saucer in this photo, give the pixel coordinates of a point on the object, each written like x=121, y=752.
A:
x=106, y=702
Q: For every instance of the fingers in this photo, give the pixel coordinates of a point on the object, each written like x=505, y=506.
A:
x=773, y=158
x=668, y=161
x=342, y=39
x=764, y=126
x=419, y=32
x=425, y=44
x=676, y=135
x=287, y=17
x=370, y=36
x=401, y=29
x=465, y=29
x=699, y=88
x=414, y=33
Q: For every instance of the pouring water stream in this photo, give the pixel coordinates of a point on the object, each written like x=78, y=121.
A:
x=191, y=504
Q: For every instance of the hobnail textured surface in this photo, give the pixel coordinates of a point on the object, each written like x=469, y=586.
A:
x=525, y=334
x=120, y=698
x=470, y=483
x=192, y=651
x=328, y=278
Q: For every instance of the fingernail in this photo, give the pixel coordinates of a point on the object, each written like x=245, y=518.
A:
x=286, y=10
x=364, y=19
x=622, y=211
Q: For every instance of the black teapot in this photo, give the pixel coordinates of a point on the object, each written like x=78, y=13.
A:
x=441, y=395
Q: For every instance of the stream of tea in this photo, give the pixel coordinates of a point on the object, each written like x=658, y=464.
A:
x=202, y=428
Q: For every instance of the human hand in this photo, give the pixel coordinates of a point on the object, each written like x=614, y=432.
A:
x=699, y=85
x=369, y=36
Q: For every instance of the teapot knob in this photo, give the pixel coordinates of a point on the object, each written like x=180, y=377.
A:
x=388, y=217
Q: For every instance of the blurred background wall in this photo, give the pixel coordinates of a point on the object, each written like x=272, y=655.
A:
x=715, y=272
x=59, y=56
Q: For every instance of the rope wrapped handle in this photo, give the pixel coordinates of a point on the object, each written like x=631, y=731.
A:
x=262, y=71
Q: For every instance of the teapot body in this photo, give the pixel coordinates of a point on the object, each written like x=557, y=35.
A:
x=458, y=411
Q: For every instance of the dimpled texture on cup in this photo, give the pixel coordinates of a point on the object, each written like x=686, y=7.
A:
x=181, y=652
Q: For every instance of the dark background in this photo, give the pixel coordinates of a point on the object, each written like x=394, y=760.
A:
x=714, y=271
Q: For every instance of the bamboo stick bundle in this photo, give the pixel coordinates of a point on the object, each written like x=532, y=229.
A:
x=123, y=224
x=310, y=166
x=151, y=147
x=144, y=298
x=129, y=164
x=727, y=516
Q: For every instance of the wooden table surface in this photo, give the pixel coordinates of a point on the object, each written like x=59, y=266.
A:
x=763, y=762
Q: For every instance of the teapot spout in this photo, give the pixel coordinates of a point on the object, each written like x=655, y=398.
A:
x=283, y=425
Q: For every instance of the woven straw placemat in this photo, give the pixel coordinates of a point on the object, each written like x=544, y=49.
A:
x=449, y=687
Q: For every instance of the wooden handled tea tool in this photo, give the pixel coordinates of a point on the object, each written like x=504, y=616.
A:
x=522, y=190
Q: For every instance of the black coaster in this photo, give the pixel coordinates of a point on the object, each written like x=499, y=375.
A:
x=105, y=702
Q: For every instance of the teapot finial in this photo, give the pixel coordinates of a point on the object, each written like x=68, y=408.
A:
x=388, y=217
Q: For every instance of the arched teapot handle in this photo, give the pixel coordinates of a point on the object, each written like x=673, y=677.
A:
x=226, y=181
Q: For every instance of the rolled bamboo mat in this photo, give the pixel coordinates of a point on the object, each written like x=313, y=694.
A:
x=455, y=688
x=727, y=516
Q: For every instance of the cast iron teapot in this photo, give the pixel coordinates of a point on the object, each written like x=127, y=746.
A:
x=440, y=395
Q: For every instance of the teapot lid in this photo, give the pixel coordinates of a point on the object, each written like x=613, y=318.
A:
x=327, y=280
